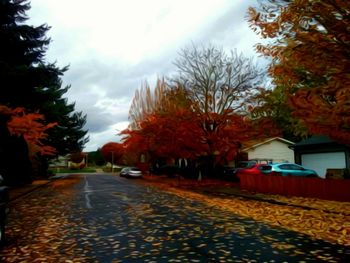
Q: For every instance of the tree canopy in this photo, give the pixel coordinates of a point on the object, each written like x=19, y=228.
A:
x=310, y=50
x=219, y=86
x=113, y=152
x=216, y=81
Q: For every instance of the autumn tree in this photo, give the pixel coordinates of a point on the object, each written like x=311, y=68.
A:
x=167, y=133
x=112, y=152
x=167, y=130
x=201, y=114
x=21, y=142
x=219, y=86
x=216, y=81
x=273, y=104
x=29, y=82
x=174, y=130
x=309, y=43
x=77, y=157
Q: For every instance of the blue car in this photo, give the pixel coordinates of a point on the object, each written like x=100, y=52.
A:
x=290, y=169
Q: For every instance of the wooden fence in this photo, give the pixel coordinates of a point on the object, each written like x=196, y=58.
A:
x=330, y=189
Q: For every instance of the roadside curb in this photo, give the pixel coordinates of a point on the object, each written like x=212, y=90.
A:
x=28, y=189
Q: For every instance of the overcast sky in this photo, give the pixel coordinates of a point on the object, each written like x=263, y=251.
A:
x=112, y=46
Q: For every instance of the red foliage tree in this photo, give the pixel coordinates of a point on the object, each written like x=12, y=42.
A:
x=112, y=152
x=77, y=157
x=178, y=133
x=31, y=127
x=176, y=127
x=166, y=135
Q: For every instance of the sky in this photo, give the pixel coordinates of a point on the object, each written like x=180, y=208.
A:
x=113, y=46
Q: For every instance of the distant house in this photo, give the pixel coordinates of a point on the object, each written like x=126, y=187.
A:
x=321, y=153
x=60, y=161
x=273, y=149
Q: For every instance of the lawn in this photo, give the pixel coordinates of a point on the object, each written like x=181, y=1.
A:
x=67, y=170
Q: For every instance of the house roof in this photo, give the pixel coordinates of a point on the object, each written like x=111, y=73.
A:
x=316, y=139
x=289, y=143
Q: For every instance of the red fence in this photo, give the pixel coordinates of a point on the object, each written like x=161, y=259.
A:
x=330, y=189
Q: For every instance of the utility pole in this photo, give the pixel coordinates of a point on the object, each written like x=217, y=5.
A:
x=112, y=161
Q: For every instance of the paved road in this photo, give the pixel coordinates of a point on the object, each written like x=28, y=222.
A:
x=104, y=218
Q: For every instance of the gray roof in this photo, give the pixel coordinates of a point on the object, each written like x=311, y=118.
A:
x=316, y=139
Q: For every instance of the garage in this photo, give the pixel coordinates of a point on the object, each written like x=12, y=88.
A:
x=320, y=162
x=321, y=153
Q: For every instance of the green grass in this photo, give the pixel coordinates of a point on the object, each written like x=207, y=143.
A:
x=63, y=170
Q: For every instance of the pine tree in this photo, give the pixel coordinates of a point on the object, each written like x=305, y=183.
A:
x=32, y=83
x=28, y=81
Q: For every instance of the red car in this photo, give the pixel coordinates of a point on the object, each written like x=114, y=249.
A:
x=256, y=169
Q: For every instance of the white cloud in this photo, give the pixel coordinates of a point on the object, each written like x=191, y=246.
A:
x=112, y=46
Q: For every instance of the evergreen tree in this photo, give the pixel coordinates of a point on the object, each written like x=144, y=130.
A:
x=28, y=81
x=32, y=83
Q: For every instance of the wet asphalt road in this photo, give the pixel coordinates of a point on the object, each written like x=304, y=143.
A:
x=112, y=219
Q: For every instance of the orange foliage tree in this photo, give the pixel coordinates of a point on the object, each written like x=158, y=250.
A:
x=112, y=152
x=166, y=136
x=310, y=50
x=31, y=127
x=177, y=130
x=166, y=128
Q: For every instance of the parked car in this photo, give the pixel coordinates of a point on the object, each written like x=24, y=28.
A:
x=4, y=199
x=131, y=172
x=231, y=173
x=255, y=169
x=290, y=169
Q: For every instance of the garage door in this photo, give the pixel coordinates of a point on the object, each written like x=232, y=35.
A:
x=320, y=162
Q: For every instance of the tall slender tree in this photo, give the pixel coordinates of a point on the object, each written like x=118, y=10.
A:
x=146, y=101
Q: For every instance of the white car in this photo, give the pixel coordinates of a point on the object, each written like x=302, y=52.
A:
x=131, y=172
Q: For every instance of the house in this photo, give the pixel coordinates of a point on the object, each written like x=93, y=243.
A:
x=60, y=161
x=321, y=153
x=273, y=149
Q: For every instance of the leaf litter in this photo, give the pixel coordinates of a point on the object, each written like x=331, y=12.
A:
x=328, y=220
